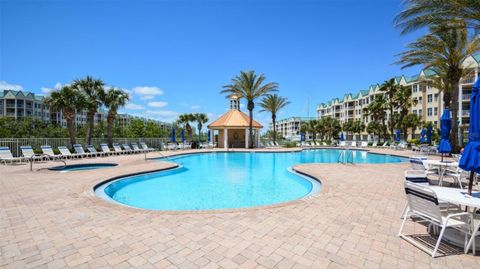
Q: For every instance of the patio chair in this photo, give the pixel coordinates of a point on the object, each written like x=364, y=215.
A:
x=385, y=145
x=374, y=144
x=418, y=164
x=364, y=144
x=117, y=149
x=145, y=147
x=29, y=154
x=80, y=151
x=128, y=149
x=92, y=150
x=354, y=144
x=66, y=153
x=423, y=204
x=458, y=174
x=324, y=144
x=343, y=144
x=276, y=144
x=6, y=156
x=46, y=149
x=106, y=149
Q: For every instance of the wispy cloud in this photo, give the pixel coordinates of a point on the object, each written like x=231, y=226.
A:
x=57, y=86
x=7, y=86
x=147, y=97
x=134, y=106
x=157, y=104
x=195, y=107
x=149, y=91
x=163, y=115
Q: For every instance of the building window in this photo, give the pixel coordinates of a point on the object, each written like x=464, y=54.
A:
x=414, y=111
x=420, y=112
x=435, y=111
x=429, y=98
x=419, y=99
x=429, y=111
x=435, y=97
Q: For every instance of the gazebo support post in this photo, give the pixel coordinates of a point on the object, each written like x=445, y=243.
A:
x=225, y=138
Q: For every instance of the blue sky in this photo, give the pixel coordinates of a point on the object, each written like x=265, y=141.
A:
x=174, y=56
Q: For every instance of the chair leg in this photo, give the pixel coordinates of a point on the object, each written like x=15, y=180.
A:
x=404, y=212
x=403, y=223
x=438, y=241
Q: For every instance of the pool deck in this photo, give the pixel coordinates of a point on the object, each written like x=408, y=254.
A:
x=50, y=219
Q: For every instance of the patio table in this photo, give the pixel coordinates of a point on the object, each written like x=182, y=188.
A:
x=442, y=167
x=459, y=197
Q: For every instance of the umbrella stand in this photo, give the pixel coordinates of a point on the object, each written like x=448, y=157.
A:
x=470, y=183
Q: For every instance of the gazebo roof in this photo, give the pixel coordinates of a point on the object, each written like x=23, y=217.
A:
x=233, y=118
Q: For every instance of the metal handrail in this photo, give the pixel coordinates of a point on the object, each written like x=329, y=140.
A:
x=345, y=158
x=50, y=157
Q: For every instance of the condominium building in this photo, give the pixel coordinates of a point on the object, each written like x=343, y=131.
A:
x=290, y=128
x=22, y=104
x=429, y=100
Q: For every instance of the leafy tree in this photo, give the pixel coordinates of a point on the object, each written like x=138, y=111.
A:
x=113, y=99
x=331, y=127
x=93, y=89
x=376, y=109
x=444, y=49
x=358, y=127
x=67, y=100
x=311, y=128
x=200, y=118
x=273, y=103
x=403, y=101
x=411, y=121
x=250, y=86
x=390, y=88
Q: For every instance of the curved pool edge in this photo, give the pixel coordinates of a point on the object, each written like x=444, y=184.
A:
x=317, y=187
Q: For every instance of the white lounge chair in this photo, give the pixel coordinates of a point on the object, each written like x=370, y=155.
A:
x=128, y=149
x=6, y=156
x=136, y=148
x=364, y=144
x=117, y=149
x=106, y=149
x=343, y=144
x=46, y=149
x=145, y=147
x=354, y=144
x=92, y=150
x=374, y=144
x=423, y=203
x=324, y=144
x=66, y=153
x=29, y=154
x=80, y=151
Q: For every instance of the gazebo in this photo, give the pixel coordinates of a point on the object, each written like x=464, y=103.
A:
x=233, y=127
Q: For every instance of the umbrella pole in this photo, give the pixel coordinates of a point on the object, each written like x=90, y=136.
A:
x=442, y=157
x=470, y=183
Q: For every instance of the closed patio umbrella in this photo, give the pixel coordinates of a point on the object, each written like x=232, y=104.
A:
x=172, y=138
x=470, y=160
x=398, y=135
x=208, y=137
x=422, y=138
x=302, y=137
x=429, y=135
x=183, y=136
x=445, y=127
x=341, y=137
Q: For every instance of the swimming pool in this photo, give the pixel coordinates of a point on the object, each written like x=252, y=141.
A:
x=226, y=180
x=83, y=166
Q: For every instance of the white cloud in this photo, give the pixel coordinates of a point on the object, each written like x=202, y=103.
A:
x=195, y=107
x=134, y=106
x=163, y=115
x=7, y=86
x=152, y=91
x=56, y=87
x=147, y=97
x=157, y=104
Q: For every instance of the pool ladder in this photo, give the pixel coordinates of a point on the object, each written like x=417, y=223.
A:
x=345, y=156
x=45, y=157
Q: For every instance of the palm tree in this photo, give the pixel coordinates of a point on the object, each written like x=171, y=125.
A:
x=113, y=100
x=403, y=101
x=200, y=118
x=331, y=126
x=376, y=109
x=410, y=121
x=93, y=89
x=311, y=127
x=67, y=100
x=184, y=120
x=390, y=88
x=425, y=13
x=273, y=103
x=250, y=86
x=358, y=127
x=444, y=50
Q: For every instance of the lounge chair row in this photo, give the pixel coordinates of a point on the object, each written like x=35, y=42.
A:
x=28, y=153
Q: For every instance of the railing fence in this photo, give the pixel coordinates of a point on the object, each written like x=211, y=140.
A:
x=15, y=143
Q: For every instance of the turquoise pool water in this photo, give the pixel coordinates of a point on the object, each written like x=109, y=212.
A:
x=227, y=180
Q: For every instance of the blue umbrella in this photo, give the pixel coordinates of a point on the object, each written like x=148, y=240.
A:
x=398, y=135
x=429, y=135
x=302, y=137
x=183, y=136
x=445, y=127
x=172, y=139
x=470, y=160
x=422, y=138
x=208, y=137
x=341, y=137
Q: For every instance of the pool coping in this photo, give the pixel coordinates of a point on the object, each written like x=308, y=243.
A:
x=90, y=191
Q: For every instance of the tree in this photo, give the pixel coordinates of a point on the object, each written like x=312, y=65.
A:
x=93, y=89
x=67, y=100
x=113, y=99
x=250, y=86
x=410, y=121
x=376, y=109
x=273, y=103
x=425, y=13
x=347, y=127
x=331, y=126
x=374, y=128
x=200, y=118
x=358, y=127
x=390, y=88
x=403, y=101
x=444, y=49
x=311, y=127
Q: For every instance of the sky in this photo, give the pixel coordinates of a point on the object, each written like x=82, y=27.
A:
x=174, y=57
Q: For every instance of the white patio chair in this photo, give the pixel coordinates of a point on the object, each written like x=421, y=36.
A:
x=66, y=153
x=418, y=164
x=136, y=148
x=78, y=148
x=324, y=144
x=343, y=144
x=276, y=144
x=423, y=203
x=374, y=144
x=117, y=149
x=364, y=144
x=29, y=154
x=106, y=149
x=6, y=156
x=145, y=147
x=92, y=150
x=354, y=144
x=128, y=149
x=46, y=149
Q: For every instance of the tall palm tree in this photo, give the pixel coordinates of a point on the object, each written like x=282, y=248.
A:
x=273, y=103
x=410, y=121
x=200, y=118
x=93, y=89
x=113, y=100
x=444, y=50
x=67, y=100
x=425, y=13
x=403, y=101
x=376, y=109
x=390, y=88
x=250, y=86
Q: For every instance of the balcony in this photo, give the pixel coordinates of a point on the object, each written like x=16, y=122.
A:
x=468, y=80
x=465, y=113
x=466, y=97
